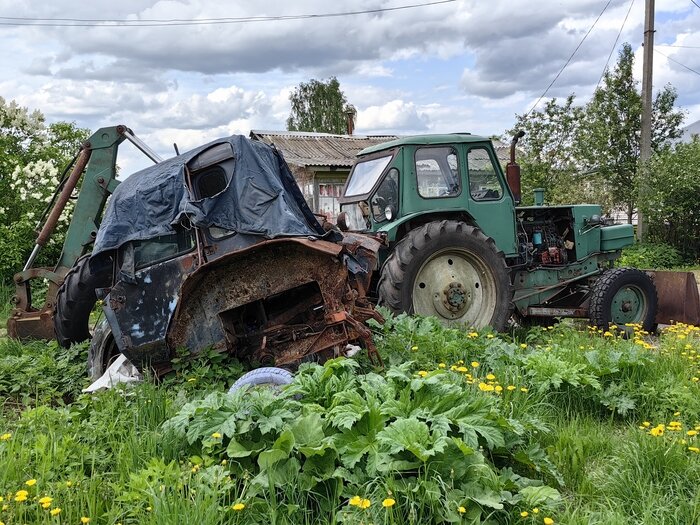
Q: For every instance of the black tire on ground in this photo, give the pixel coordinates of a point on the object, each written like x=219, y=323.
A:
x=267, y=376
x=76, y=298
x=450, y=270
x=623, y=295
x=102, y=351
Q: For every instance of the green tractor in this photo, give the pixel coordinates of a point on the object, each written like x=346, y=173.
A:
x=463, y=250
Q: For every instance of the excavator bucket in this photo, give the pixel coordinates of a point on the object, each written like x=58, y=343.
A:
x=679, y=297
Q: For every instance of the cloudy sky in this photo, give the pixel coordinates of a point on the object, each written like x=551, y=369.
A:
x=465, y=65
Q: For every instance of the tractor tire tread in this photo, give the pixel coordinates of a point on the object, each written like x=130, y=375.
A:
x=75, y=300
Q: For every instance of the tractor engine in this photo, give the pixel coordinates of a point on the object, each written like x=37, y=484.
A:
x=545, y=237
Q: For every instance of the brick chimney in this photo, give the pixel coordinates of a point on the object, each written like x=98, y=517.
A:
x=350, y=114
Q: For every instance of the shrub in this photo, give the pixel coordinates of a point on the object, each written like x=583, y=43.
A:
x=650, y=256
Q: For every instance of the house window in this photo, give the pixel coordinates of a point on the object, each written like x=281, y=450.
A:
x=328, y=194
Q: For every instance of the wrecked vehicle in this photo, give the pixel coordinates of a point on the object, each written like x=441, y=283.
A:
x=217, y=248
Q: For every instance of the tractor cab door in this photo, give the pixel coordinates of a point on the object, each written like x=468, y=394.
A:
x=490, y=201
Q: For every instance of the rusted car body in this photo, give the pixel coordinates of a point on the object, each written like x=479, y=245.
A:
x=238, y=265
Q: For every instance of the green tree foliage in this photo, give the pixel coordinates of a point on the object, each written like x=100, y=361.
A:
x=31, y=155
x=318, y=106
x=609, y=137
x=549, y=150
x=672, y=203
x=591, y=153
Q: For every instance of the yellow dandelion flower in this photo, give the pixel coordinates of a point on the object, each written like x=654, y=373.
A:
x=216, y=435
x=524, y=514
x=523, y=345
x=694, y=449
x=548, y=521
x=499, y=388
x=45, y=499
x=6, y=436
x=490, y=336
x=490, y=377
x=523, y=389
x=461, y=509
x=692, y=433
x=388, y=502
x=84, y=520
x=56, y=511
x=657, y=431
x=355, y=501
x=485, y=388
x=30, y=482
x=69, y=484
x=364, y=503
x=535, y=510
x=238, y=507
x=676, y=414
x=422, y=373
x=414, y=348
x=461, y=369
x=646, y=424
x=510, y=388
x=475, y=364
x=442, y=365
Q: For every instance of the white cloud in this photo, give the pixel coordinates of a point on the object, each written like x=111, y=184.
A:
x=464, y=66
x=394, y=115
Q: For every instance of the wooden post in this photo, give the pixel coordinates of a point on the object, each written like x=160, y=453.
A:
x=645, y=139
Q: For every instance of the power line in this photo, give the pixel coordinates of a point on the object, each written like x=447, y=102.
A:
x=696, y=4
x=677, y=62
x=673, y=45
x=106, y=22
x=612, y=50
x=569, y=60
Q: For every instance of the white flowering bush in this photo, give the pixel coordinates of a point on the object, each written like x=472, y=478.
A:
x=32, y=158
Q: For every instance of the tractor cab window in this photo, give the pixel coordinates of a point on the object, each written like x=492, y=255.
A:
x=484, y=183
x=437, y=172
x=364, y=175
x=163, y=247
x=385, y=202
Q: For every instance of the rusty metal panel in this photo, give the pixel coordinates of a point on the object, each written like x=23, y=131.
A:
x=679, y=300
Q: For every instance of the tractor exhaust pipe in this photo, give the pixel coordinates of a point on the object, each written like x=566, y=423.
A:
x=513, y=170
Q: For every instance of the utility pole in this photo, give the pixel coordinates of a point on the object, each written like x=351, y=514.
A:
x=645, y=139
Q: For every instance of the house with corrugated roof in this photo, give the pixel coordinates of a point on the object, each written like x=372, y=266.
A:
x=321, y=162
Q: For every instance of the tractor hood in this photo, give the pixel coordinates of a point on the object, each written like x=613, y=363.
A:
x=255, y=194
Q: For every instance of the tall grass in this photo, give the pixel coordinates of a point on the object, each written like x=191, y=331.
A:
x=578, y=418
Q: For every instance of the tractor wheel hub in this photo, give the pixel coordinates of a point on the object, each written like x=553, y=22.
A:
x=455, y=297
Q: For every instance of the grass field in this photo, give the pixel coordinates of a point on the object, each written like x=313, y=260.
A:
x=549, y=425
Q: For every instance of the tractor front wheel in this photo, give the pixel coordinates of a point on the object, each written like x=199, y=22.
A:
x=623, y=296
x=450, y=270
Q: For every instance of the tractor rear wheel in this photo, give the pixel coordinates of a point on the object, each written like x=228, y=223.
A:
x=623, y=296
x=76, y=298
x=450, y=270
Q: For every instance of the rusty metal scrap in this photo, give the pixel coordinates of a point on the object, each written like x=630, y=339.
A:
x=281, y=301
